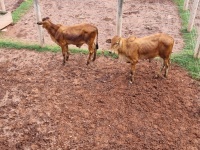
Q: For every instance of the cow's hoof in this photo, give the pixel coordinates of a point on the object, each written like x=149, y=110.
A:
x=156, y=77
x=165, y=75
x=131, y=82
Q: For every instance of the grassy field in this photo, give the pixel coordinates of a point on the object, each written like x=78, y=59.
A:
x=185, y=57
x=21, y=10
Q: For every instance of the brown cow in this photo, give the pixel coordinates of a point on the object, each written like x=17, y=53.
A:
x=77, y=35
x=132, y=49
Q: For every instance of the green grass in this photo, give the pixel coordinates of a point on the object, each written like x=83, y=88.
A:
x=185, y=57
x=186, y=60
x=189, y=37
x=20, y=45
x=52, y=48
x=21, y=10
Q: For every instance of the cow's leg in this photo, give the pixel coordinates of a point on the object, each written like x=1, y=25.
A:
x=161, y=69
x=150, y=60
x=91, y=51
x=64, y=53
x=166, y=63
x=67, y=53
x=158, y=73
x=132, y=71
x=95, y=52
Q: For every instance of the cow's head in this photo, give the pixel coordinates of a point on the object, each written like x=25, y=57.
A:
x=116, y=44
x=45, y=22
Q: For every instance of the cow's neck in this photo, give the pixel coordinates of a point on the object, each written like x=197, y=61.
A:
x=53, y=29
x=122, y=44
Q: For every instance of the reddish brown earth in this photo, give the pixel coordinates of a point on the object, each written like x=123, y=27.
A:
x=44, y=105
x=11, y=5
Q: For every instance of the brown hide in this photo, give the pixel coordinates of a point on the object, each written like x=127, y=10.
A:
x=77, y=35
x=133, y=49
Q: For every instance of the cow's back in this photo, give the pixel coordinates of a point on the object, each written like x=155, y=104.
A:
x=80, y=28
x=78, y=34
x=147, y=46
x=153, y=45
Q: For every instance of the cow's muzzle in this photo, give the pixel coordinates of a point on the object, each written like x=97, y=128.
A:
x=110, y=51
x=39, y=23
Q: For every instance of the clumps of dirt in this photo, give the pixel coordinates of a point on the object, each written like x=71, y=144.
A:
x=44, y=105
x=11, y=5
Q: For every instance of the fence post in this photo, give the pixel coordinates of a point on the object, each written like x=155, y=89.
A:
x=3, y=5
x=192, y=15
x=197, y=48
x=119, y=17
x=186, y=4
x=38, y=18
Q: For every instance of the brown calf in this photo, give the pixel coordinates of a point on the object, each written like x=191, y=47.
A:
x=133, y=49
x=77, y=35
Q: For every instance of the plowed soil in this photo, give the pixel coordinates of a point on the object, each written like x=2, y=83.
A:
x=45, y=105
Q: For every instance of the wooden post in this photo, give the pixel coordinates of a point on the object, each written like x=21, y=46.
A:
x=186, y=2
x=197, y=48
x=192, y=15
x=39, y=18
x=119, y=17
x=3, y=5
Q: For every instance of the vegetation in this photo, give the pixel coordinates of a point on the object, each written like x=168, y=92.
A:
x=21, y=10
x=186, y=60
x=185, y=57
x=20, y=45
x=52, y=48
x=36, y=47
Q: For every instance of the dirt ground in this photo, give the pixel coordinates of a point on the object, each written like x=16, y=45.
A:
x=11, y=5
x=140, y=18
x=47, y=106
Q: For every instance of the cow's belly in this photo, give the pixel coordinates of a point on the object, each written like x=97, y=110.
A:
x=124, y=58
x=77, y=43
x=148, y=55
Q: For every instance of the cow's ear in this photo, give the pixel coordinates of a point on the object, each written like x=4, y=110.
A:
x=108, y=41
x=119, y=41
x=46, y=18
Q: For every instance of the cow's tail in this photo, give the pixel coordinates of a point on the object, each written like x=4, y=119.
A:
x=97, y=46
